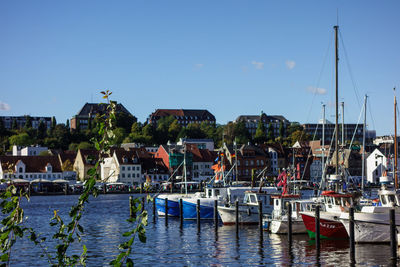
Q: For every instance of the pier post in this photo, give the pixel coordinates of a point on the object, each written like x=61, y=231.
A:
x=351, y=235
x=237, y=217
x=289, y=223
x=66, y=189
x=216, y=214
x=260, y=220
x=181, y=212
x=166, y=211
x=104, y=188
x=141, y=188
x=393, y=241
x=198, y=214
x=154, y=210
x=317, y=229
x=143, y=201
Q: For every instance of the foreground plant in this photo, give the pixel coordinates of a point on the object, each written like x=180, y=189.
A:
x=69, y=233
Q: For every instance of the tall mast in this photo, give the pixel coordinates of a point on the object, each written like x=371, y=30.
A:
x=343, y=144
x=363, y=154
x=323, y=140
x=337, y=98
x=395, y=141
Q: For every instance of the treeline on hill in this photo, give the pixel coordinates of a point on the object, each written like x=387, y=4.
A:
x=60, y=136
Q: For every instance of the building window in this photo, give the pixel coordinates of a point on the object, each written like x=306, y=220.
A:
x=20, y=169
x=251, y=162
x=128, y=168
x=123, y=175
x=262, y=163
x=246, y=163
x=123, y=168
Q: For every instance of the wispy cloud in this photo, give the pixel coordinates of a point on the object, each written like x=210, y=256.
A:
x=198, y=65
x=290, y=64
x=318, y=91
x=4, y=106
x=258, y=65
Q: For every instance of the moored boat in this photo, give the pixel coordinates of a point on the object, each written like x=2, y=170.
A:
x=278, y=222
x=248, y=210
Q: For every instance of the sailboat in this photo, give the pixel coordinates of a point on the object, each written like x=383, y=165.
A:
x=332, y=202
x=372, y=224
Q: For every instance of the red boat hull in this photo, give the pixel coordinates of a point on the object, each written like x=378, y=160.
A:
x=328, y=228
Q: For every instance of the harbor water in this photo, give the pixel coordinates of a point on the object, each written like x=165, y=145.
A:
x=104, y=223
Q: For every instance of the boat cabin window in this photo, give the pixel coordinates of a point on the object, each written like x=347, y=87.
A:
x=392, y=199
x=253, y=199
x=383, y=200
x=217, y=192
x=277, y=202
x=346, y=201
x=328, y=200
x=337, y=201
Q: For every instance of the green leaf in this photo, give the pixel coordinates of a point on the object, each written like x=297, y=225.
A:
x=129, y=262
x=4, y=257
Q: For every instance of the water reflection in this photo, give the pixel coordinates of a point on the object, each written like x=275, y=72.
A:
x=176, y=245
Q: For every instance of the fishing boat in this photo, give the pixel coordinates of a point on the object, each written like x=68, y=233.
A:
x=277, y=223
x=333, y=204
x=248, y=210
x=372, y=224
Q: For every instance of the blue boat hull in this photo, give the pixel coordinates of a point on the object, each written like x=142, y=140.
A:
x=173, y=207
x=190, y=211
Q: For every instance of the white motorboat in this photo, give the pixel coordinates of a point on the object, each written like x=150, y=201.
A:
x=372, y=223
x=278, y=221
x=248, y=210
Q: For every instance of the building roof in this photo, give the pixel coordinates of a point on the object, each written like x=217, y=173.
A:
x=99, y=108
x=34, y=164
x=200, y=113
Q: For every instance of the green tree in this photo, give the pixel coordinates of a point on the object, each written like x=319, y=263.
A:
x=260, y=136
x=174, y=130
x=45, y=153
x=119, y=135
x=14, y=125
x=28, y=122
x=270, y=135
x=41, y=131
x=281, y=130
x=124, y=120
x=85, y=145
x=67, y=124
x=241, y=134
x=22, y=139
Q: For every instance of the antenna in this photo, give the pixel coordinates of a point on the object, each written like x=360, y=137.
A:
x=337, y=16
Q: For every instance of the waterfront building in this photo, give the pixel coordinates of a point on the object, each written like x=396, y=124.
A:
x=154, y=171
x=85, y=160
x=123, y=166
x=66, y=160
x=376, y=164
x=28, y=151
x=183, y=116
x=198, y=161
x=89, y=111
x=31, y=168
x=20, y=121
x=274, y=122
x=251, y=160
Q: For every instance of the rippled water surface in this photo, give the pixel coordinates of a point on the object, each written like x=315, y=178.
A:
x=105, y=221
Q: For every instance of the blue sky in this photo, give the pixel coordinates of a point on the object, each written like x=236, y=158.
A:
x=230, y=57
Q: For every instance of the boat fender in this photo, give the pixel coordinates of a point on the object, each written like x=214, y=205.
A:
x=248, y=211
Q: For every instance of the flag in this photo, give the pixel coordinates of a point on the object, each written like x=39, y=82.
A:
x=233, y=155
